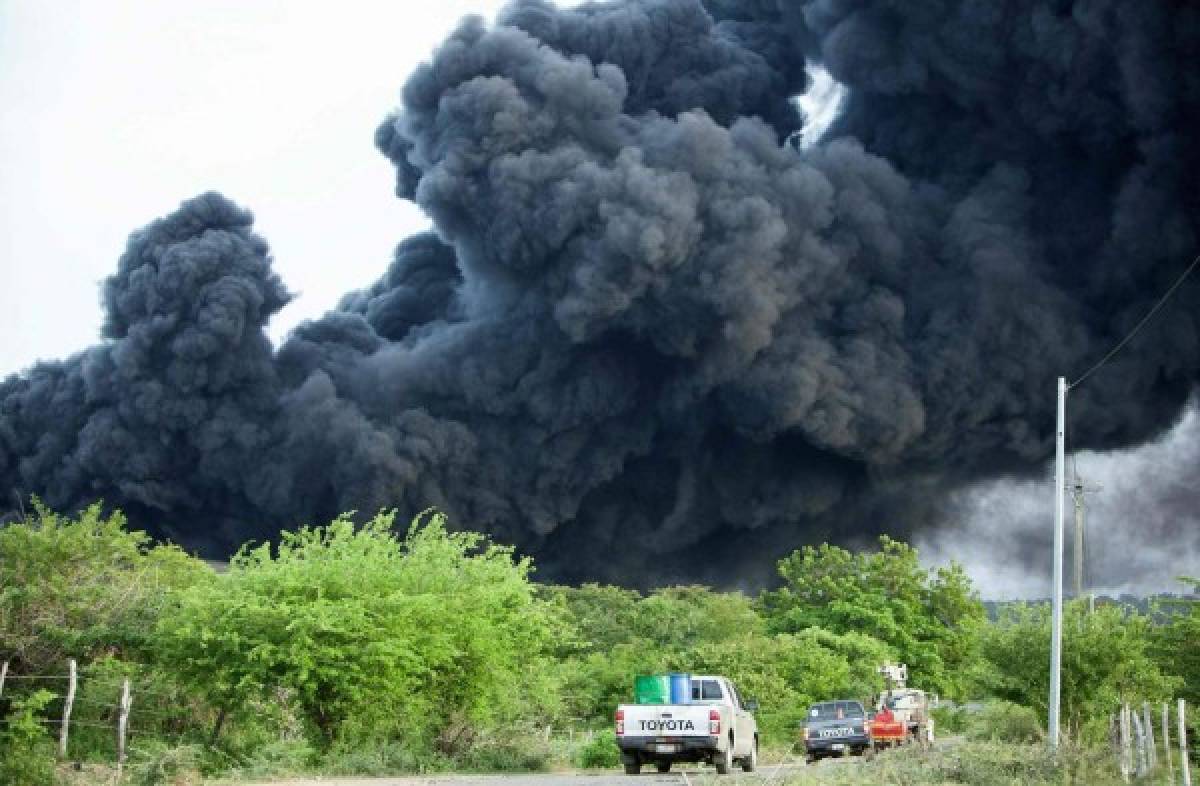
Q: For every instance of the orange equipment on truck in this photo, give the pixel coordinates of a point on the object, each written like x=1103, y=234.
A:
x=886, y=731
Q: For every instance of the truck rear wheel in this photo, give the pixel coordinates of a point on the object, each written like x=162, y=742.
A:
x=724, y=760
x=662, y=766
x=750, y=763
x=632, y=766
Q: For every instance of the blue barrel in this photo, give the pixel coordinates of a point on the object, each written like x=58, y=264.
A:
x=681, y=688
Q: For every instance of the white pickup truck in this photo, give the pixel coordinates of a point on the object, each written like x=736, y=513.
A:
x=716, y=727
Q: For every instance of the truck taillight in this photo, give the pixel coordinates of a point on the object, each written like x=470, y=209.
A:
x=620, y=722
x=805, y=733
x=714, y=722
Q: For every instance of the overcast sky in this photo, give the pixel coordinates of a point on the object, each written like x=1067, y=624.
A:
x=115, y=112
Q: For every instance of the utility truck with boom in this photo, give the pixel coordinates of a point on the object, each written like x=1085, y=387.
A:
x=713, y=725
x=908, y=716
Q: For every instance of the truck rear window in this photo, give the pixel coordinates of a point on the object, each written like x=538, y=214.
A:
x=835, y=710
x=706, y=689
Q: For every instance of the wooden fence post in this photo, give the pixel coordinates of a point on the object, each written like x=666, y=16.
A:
x=1119, y=721
x=3, y=674
x=1151, y=751
x=1141, y=760
x=1183, y=751
x=66, y=718
x=122, y=725
x=1131, y=754
x=1166, y=731
x=1114, y=736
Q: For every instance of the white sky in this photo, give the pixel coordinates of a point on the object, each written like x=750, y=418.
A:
x=113, y=113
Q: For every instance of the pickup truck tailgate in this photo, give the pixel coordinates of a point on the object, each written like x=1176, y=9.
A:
x=665, y=720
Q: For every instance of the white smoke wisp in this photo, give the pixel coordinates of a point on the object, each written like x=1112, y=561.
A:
x=1142, y=528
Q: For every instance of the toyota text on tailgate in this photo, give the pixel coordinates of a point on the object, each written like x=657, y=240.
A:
x=835, y=728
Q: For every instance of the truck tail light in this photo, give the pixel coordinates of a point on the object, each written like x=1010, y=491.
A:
x=714, y=722
x=804, y=732
x=620, y=722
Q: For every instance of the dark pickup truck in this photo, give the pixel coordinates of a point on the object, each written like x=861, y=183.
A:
x=835, y=728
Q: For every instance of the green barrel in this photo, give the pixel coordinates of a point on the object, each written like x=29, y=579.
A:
x=652, y=689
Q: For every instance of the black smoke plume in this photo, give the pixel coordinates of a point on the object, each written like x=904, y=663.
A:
x=650, y=340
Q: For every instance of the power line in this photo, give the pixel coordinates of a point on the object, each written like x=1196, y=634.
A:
x=1161, y=302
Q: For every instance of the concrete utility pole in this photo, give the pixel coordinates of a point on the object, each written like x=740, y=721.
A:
x=1056, y=631
x=1077, y=491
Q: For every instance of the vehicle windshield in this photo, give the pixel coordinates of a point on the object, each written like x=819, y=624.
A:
x=835, y=710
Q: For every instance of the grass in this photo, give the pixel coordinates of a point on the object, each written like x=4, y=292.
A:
x=969, y=763
x=966, y=762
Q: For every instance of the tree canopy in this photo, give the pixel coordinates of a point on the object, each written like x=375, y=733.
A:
x=928, y=619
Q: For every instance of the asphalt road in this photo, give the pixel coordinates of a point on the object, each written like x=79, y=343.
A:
x=686, y=776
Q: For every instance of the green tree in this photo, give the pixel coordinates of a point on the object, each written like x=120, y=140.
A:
x=673, y=618
x=1106, y=660
x=930, y=620
x=1176, y=642
x=595, y=618
x=426, y=638
x=678, y=618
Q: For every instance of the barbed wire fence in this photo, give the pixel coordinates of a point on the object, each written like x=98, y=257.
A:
x=118, y=710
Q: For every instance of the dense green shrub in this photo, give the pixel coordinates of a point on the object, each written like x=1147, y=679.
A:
x=1106, y=660
x=950, y=720
x=1003, y=721
x=158, y=763
x=505, y=753
x=600, y=752
x=379, y=758
x=83, y=587
x=265, y=758
x=370, y=636
x=26, y=752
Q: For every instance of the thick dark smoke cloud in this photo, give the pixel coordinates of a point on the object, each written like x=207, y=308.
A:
x=651, y=341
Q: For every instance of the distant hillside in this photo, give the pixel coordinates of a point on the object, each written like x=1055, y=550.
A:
x=1141, y=604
